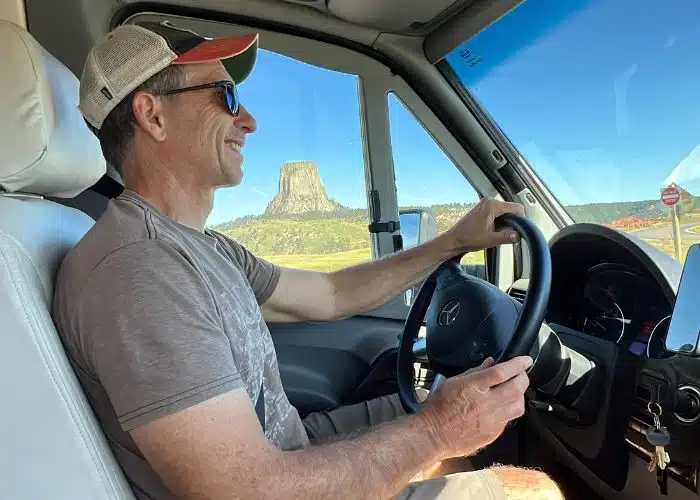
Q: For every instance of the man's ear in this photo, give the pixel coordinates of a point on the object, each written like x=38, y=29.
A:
x=148, y=111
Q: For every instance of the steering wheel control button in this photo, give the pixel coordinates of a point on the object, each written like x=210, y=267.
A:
x=478, y=358
x=477, y=353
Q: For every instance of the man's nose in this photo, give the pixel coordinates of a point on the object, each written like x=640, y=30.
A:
x=245, y=121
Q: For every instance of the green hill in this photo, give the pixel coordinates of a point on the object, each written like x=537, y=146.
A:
x=265, y=236
x=344, y=230
x=607, y=212
x=315, y=237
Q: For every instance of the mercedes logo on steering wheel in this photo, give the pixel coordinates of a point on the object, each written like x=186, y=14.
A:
x=449, y=313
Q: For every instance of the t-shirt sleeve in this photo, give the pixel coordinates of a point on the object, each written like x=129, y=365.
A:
x=153, y=334
x=262, y=274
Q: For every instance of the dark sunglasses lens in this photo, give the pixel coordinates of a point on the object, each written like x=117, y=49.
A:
x=232, y=99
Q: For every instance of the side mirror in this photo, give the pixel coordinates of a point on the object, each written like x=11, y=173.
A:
x=683, y=335
x=417, y=227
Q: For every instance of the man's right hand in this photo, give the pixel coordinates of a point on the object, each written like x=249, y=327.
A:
x=468, y=412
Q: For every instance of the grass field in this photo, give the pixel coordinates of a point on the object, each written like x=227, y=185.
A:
x=329, y=244
x=667, y=246
x=339, y=260
x=322, y=262
x=323, y=244
x=333, y=261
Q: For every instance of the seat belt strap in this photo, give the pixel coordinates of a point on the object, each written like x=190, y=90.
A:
x=260, y=406
x=106, y=186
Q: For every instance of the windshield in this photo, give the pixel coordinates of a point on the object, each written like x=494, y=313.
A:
x=602, y=99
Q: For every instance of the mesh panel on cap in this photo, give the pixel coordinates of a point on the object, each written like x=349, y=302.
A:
x=92, y=101
x=127, y=58
x=129, y=55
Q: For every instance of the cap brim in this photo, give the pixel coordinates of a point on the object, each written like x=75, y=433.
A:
x=241, y=66
x=237, y=53
x=217, y=49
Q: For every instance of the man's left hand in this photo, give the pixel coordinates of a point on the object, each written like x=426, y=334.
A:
x=476, y=230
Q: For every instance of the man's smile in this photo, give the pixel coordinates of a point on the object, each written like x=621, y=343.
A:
x=236, y=146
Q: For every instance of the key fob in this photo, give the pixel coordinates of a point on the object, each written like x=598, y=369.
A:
x=658, y=436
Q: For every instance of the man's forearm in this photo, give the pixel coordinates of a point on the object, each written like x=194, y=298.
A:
x=377, y=464
x=370, y=285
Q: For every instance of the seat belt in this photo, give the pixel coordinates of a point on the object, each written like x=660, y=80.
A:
x=106, y=186
x=260, y=406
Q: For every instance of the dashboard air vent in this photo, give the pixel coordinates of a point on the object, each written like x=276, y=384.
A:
x=519, y=290
x=518, y=294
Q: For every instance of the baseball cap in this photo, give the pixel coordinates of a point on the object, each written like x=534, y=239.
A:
x=132, y=53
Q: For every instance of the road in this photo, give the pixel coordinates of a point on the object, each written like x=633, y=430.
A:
x=661, y=233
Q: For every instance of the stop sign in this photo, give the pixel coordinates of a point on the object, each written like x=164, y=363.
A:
x=670, y=196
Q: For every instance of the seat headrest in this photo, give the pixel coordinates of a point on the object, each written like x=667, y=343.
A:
x=45, y=146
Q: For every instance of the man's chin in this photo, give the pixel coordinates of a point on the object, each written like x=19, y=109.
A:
x=232, y=177
x=230, y=184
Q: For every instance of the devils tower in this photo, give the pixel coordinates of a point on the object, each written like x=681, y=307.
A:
x=301, y=191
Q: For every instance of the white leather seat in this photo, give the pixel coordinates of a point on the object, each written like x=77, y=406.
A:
x=51, y=446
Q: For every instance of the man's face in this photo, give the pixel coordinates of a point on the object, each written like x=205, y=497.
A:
x=206, y=139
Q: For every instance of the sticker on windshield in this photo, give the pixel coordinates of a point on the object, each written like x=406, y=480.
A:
x=469, y=57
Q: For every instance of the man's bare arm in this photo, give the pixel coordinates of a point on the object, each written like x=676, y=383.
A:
x=317, y=296
x=216, y=450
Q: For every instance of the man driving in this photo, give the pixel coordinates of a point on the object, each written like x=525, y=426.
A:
x=164, y=321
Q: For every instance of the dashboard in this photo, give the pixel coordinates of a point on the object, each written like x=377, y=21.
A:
x=611, y=297
x=624, y=306
x=614, y=287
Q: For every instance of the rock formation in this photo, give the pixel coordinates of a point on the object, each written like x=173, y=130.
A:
x=301, y=191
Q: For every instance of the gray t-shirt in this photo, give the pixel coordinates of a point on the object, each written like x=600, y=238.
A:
x=157, y=317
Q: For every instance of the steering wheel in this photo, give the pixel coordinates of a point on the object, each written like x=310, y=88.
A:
x=469, y=319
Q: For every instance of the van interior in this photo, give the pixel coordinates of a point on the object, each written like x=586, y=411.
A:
x=336, y=86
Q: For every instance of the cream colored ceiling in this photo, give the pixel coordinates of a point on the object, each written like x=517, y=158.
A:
x=441, y=22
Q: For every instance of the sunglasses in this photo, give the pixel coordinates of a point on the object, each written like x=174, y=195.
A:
x=230, y=94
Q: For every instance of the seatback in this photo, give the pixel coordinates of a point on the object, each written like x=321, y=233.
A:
x=51, y=445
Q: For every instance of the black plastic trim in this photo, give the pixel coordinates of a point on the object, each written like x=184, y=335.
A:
x=600, y=446
x=512, y=178
x=662, y=267
x=384, y=227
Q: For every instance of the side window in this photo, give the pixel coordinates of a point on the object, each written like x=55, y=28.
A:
x=302, y=202
x=427, y=181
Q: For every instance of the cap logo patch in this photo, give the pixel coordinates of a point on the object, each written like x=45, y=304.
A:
x=105, y=91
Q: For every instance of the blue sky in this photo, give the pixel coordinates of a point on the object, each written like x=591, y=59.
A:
x=602, y=97
x=308, y=113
